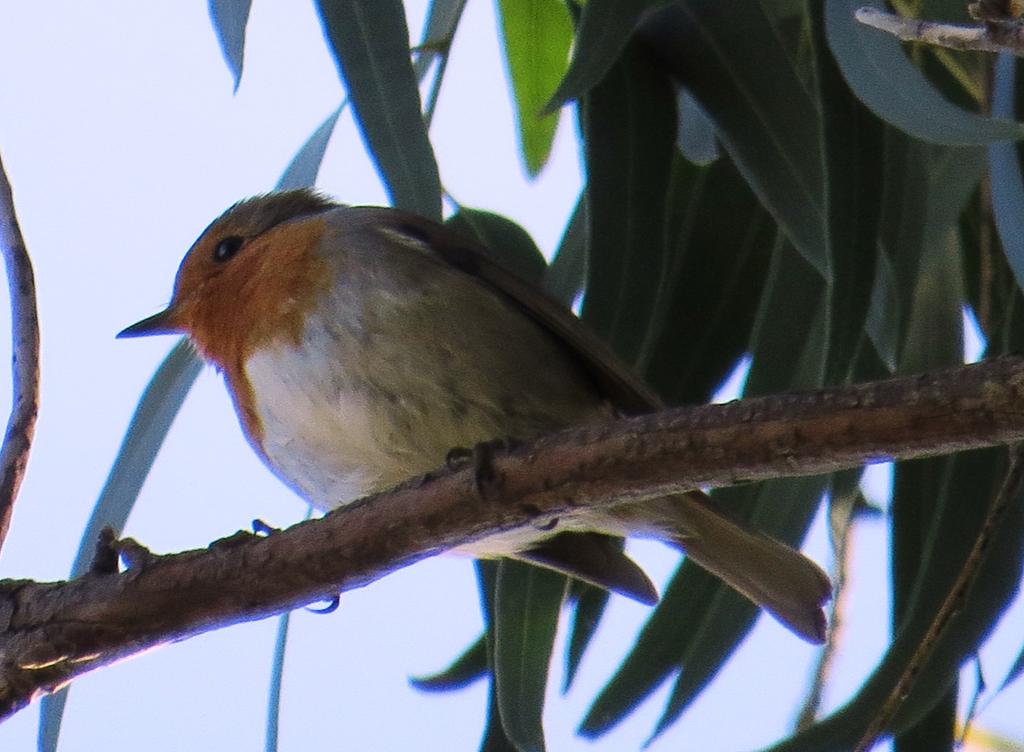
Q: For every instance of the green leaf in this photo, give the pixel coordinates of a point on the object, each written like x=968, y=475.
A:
x=566, y=275
x=276, y=682
x=1006, y=179
x=934, y=336
x=494, y=739
x=527, y=601
x=301, y=172
x=508, y=243
x=629, y=126
x=438, y=31
x=463, y=671
x=656, y=653
x=720, y=241
x=537, y=35
x=604, y=28
x=914, y=517
x=853, y=139
x=586, y=615
x=733, y=60
x=277, y=674
x=881, y=324
x=878, y=70
x=229, y=18
x=926, y=188
x=370, y=43
x=1014, y=673
x=788, y=341
x=993, y=293
x=917, y=513
x=147, y=430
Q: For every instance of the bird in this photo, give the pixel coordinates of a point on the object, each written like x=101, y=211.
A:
x=361, y=345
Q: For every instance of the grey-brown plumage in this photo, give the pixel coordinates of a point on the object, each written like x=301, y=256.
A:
x=365, y=343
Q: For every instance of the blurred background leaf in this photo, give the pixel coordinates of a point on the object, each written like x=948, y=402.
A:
x=537, y=36
x=370, y=42
x=229, y=18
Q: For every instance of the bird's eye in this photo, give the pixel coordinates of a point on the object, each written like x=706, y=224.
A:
x=227, y=248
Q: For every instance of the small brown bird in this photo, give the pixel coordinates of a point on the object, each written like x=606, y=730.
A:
x=361, y=344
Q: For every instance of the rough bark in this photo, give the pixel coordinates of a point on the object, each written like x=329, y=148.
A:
x=53, y=632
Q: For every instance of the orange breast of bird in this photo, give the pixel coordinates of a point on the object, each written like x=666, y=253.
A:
x=261, y=300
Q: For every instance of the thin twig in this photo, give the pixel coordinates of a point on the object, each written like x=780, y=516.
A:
x=842, y=519
x=988, y=37
x=1013, y=485
x=21, y=425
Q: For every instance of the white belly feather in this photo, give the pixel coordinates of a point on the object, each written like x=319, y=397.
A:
x=315, y=438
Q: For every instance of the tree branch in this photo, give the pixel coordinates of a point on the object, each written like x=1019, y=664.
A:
x=53, y=632
x=21, y=425
x=996, y=35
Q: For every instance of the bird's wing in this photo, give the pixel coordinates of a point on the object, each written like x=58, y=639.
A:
x=615, y=380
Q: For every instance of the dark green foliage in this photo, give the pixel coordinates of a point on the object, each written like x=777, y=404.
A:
x=837, y=238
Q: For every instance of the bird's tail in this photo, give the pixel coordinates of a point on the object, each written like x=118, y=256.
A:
x=779, y=579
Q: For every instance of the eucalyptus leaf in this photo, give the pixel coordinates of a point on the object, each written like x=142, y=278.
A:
x=566, y=275
x=537, y=35
x=586, y=615
x=719, y=244
x=301, y=172
x=629, y=127
x=494, y=738
x=438, y=31
x=369, y=40
x=467, y=668
x=731, y=57
x=276, y=683
x=1007, y=182
x=605, y=27
x=926, y=188
x=655, y=655
x=883, y=313
x=507, y=243
x=230, y=18
x=853, y=138
x=527, y=601
x=1014, y=673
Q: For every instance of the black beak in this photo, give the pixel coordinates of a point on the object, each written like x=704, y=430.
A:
x=158, y=323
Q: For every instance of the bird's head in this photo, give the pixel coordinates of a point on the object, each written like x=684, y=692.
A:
x=250, y=278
